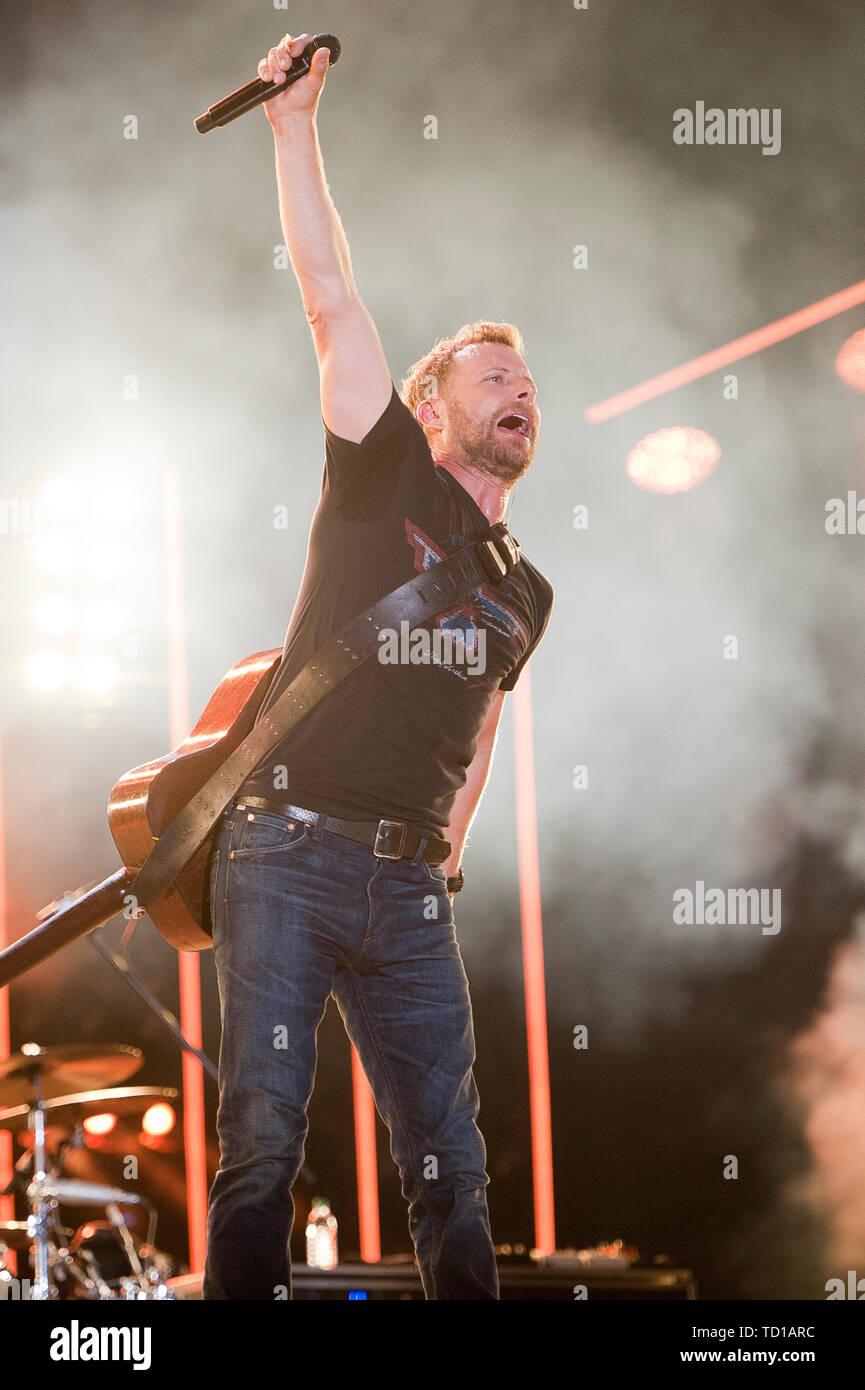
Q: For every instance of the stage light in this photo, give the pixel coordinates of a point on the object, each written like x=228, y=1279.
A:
x=98, y=499
x=732, y=352
x=850, y=362
x=61, y=498
x=158, y=1119
x=103, y=618
x=87, y=526
x=672, y=460
x=98, y=1125
x=48, y=670
x=97, y=673
x=55, y=614
x=58, y=555
x=105, y=558
x=110, y=504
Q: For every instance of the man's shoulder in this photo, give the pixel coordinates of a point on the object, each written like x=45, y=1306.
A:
x=395, y=420
x=392, y=456
x=541, y=587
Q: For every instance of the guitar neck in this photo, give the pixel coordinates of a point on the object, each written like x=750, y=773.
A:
x=74, y=919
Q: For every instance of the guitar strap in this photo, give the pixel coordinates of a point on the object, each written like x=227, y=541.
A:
x=483, y=561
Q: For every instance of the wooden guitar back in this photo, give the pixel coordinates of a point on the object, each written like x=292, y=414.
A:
x=148, y=798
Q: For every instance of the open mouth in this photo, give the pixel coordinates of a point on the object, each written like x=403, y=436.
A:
x=514, y=424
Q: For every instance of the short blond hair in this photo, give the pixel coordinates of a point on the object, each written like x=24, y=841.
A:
x=428, y=375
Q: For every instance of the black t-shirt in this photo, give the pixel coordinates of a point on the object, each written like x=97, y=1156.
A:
x=395, y=739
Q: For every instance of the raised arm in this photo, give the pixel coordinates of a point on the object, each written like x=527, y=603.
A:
x=355, y=378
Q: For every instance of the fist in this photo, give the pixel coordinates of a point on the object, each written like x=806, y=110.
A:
x=302, y=95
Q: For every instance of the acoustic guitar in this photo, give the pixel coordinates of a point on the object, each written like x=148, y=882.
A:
x=149, y=798
x=140, y=806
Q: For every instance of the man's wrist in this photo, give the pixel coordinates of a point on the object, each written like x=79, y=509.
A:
x=287, y=126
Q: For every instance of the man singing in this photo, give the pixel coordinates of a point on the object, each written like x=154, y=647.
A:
x=308, y=897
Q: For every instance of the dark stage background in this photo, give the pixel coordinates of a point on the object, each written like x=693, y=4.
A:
x=147, y=322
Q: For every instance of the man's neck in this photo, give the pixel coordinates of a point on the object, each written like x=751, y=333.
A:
x=488, y=493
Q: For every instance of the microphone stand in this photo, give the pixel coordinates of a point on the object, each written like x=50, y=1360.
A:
x=122, y=966
x=41, y=1289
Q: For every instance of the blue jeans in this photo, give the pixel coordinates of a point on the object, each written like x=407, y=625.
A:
x=300, y=913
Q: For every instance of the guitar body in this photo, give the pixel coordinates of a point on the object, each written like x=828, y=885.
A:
x=148, y=798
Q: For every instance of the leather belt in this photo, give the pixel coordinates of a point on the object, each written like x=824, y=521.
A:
x=388, y=839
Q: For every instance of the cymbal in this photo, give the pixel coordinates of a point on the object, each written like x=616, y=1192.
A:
x=64, y=1111
x=14, y=1234
x=73, y=1067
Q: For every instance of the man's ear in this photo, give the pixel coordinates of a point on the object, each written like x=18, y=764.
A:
x=430, y=415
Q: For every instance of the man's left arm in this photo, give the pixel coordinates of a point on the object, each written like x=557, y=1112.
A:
x=467, y=798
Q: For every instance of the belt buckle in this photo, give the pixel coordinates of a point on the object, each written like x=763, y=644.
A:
x=383, y=835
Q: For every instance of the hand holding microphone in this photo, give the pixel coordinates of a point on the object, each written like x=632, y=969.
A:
x=301, y=94
x=290, y=80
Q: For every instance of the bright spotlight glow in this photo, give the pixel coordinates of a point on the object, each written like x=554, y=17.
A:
x=672, y=460
x=97, y=673
x=55, y=613
x=48, y=670
x=850, y=362
x=61, y=498
x=110, y=504
x=103, y=618
x=105, y=558
x=99, y=500
x=158, y=1119
x=88, y=520
x=58, y=555
x=100, y=1124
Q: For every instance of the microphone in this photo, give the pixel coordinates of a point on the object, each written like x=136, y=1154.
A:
x=255, y=92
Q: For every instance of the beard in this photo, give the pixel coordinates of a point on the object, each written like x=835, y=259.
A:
x=487, y=450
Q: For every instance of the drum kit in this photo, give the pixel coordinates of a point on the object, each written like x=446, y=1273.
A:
x=47, y=1094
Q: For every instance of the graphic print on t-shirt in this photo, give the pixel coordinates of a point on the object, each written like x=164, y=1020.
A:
x=475, y=609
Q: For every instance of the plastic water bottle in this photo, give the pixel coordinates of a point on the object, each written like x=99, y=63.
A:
x=321, y=1245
